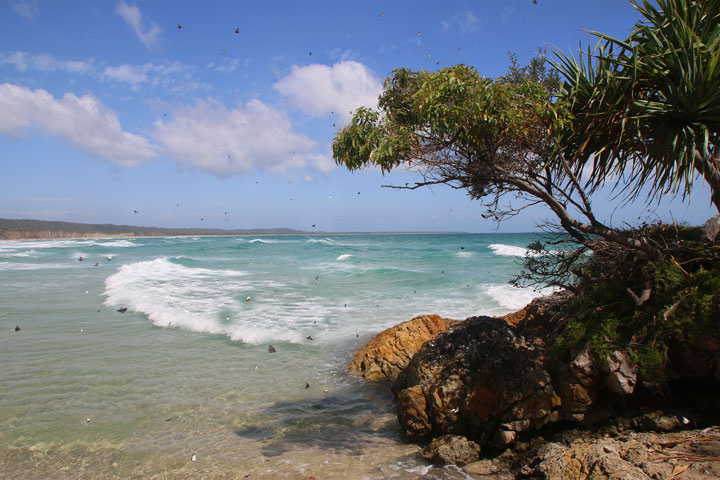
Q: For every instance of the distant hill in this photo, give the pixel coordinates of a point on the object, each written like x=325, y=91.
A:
x=28, y=229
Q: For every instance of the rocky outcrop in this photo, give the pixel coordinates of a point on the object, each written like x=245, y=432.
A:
x=623, y=375
x=452, y=449
x=486, y=381
x=480, y=379
x=391, y=350
x=641, y=456
x=711, y=229
x=577, y=385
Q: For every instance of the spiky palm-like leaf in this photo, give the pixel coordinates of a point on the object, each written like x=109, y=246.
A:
x=647, y=108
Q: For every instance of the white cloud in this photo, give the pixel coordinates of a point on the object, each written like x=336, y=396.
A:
x=23, y=61
x=319, y=90
x=132, y=15
x=209, y=137
x=83, y=122
x=27, y=9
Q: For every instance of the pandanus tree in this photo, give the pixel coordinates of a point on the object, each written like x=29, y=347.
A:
x=646, y=109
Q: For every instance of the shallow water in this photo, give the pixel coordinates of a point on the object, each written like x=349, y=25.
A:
x=88, y=392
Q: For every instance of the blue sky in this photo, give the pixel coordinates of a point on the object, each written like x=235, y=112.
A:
x=183, y=111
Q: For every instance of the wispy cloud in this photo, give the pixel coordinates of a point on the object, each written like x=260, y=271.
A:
x=173, y=76
x=146, y=31
x=340, y=55
x=322, y=90
x=209, y=137
x=83, y=122
x=23, y=61
x=29, y=9
x=464, y=22
x=228, y=66
x=147, y=73
x=507, y=12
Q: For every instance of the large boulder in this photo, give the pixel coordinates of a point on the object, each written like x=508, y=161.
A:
x=391, y=350
x=480, y=379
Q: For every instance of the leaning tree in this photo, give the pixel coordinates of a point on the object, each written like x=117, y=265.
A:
x=496, y=138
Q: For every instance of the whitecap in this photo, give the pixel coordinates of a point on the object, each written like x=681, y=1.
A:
x=342, y=257
x=509, y=250
x=515, y=298
x=30, y=266
x=24, y=254
x=262, y=240
x=325, y=241
x=117, y=243
x=173, y=295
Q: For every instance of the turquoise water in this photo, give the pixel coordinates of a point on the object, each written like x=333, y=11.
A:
x=185, y=372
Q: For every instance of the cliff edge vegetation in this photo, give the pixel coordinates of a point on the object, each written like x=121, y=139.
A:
x=638, y=116
x=637, y=323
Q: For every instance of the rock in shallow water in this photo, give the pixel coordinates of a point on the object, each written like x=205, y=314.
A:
x=391, y=350
x=480, y=379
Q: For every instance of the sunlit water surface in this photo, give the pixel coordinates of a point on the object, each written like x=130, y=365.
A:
x=182, y=385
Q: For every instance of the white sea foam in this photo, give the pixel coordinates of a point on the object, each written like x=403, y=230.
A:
x=514, y=298
x=11, y=245
x=342, y=257
x=173, y=295
x=263, y=240
x=464, y=254
x=28, y=253
x=30, y=266
x=509, y=250
x=117, y=243
x=63, y=243
x=325, y=241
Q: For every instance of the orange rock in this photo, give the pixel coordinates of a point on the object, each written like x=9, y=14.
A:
x=514, y=319
x=391, y=350
x=412, y=408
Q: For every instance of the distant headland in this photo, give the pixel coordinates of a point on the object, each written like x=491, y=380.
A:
x=26, y=229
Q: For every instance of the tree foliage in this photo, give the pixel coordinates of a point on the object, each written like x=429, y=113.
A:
x=644, y=110
x=647, y=108
x=497, y=138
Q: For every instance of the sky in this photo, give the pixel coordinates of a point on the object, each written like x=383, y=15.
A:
x=222, y=114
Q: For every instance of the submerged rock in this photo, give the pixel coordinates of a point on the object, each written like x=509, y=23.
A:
x=391, y=350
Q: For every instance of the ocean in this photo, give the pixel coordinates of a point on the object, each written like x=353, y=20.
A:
x=182, y=383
